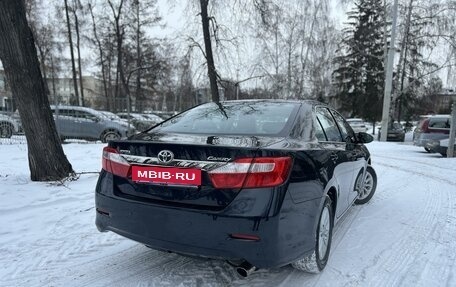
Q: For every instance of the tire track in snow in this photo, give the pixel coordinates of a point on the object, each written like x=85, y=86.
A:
x=411, y=160
x=397, y=260
x=415, y=172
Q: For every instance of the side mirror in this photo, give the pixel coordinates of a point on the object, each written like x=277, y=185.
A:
x=364, y=137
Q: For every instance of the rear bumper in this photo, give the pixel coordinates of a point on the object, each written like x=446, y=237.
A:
x=395, y=137
x=426, y=139
x=284, y=238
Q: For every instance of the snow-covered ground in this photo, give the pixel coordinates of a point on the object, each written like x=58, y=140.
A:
x=406, y=235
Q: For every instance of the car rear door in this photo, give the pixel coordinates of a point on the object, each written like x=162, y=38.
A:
x=88, y=125
x=354, y=154
x=65, y=121
x=342, y=167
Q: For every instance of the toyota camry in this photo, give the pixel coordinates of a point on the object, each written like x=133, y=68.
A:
x=260, y=183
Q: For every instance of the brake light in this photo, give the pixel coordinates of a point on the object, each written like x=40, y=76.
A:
x=425, y=126
x=252, y=173
x=114, y=163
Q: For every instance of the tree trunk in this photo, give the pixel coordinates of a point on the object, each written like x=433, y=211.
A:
x=405, y=48
x=212, y=73
x=73, y=65
x=100, y=51
x=402, y=57
x=78, y=48
x=42, y=59
x=19, y=57
x=138, y=56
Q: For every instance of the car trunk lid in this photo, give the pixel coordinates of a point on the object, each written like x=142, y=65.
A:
x=196, y=171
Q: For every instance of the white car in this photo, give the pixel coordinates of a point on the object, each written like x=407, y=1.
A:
x=8, y=126
x=357, y=125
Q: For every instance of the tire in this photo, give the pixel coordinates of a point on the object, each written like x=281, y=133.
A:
x=6, y=130
x=316, y=262
x=110, y=135
x=368, y=186
x=427, y=149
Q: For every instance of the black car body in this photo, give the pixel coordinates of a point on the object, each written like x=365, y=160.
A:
x=257, y=176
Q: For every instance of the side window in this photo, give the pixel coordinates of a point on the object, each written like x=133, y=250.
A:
x=70, y=113
x=85, y=115
x=345, y=128
x=65, y=112
x=319, y=133
x=329, y=125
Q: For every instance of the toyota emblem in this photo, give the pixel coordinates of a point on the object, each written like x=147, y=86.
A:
x=165, y=156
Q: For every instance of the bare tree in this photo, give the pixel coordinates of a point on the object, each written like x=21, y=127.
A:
x=70, y=42
x=77, y=23
x=101, y=54
x=19, y=58
x=211, y=71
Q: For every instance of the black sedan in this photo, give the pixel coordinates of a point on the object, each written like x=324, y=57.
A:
x=259, y=183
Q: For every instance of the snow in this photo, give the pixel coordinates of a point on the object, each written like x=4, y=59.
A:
x=406, y=235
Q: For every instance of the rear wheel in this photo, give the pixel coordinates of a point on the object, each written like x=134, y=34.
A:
x=427, y=149
x=110, y=136
x=367, y=188
x=6, y=130
x=316, y=262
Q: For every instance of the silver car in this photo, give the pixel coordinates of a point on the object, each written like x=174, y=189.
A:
x=86, y=123
x=430, y=129
x=357, y=125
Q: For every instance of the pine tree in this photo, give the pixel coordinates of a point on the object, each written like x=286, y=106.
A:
x=359, y=76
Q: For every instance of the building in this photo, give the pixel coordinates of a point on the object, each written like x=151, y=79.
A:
x=61, y=91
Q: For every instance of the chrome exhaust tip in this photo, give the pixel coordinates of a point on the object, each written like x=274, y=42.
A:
x=245, y=269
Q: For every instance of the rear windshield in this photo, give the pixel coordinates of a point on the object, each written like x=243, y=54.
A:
x=233, y=118
x=439, y=123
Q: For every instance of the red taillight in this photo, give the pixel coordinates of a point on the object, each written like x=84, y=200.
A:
x=425, y=126
x=252, y=173
x=114, y=163
x=247, y=237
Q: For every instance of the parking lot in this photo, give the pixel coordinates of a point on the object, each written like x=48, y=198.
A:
x=403, y=237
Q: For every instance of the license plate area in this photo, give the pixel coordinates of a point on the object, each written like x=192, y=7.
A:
x=166, y=175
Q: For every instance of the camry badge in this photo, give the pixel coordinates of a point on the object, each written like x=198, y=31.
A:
x=165, y=156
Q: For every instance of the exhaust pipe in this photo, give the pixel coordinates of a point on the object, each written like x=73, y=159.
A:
x=245, y=269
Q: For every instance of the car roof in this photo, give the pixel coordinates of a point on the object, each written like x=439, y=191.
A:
x=435, y=116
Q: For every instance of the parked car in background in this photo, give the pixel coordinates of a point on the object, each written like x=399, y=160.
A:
x=86, y=123
x=262, y=182
x=112, y=116
x=396, y=132
x=163, y=114
x=358, y=125
x=154, y=118
x=431, y=128
x=8, y=126
x=139, y=121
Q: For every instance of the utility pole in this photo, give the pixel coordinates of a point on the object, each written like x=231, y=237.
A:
x=450, y=151
x=389, y=78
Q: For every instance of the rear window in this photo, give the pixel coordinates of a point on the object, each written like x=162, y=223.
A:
x=236, y=118
x=439, y=123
